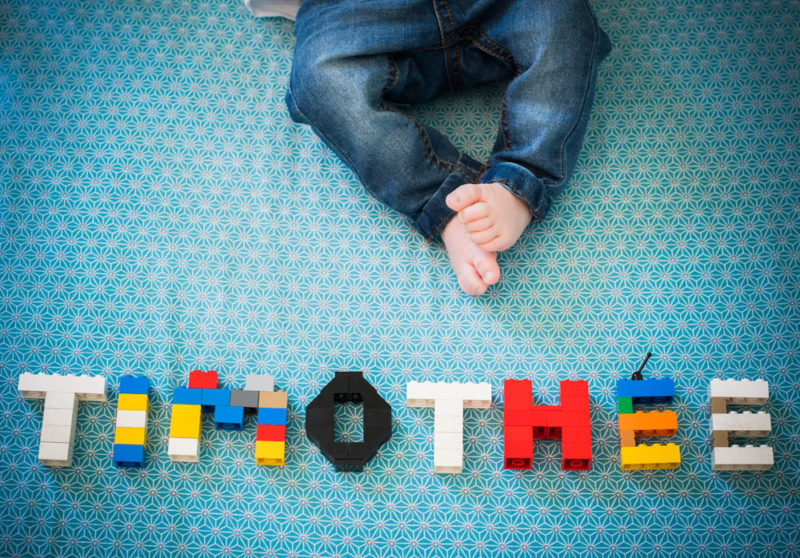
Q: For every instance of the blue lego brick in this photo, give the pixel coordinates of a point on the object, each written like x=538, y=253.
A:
x=651, y=390
x=228, y=418
x=269, y=415
x=128, y=455
x=216, y=397
x=134, y=384
x=187, y=396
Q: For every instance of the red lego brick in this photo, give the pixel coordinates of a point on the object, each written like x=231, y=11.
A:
x=517, y=447
x=204, y=380
x=271, y=432
x=517, y=394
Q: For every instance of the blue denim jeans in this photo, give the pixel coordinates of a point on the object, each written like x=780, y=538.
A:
x=357, y=63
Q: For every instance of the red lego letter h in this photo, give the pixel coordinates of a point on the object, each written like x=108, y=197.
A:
x=523, y=421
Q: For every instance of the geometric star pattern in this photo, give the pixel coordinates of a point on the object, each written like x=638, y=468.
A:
x=161, y=212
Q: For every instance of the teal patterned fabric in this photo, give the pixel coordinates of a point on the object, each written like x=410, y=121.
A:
x=160, y=212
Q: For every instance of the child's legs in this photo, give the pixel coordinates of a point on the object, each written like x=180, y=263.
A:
x=346, y=74
x=556, y=47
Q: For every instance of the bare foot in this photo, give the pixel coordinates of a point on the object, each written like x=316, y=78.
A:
x=476, y=269
x=493, y=217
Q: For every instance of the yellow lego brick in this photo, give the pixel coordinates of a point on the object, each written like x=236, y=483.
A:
x=656, y=456
x=186, y=421
x=270, y=453
x=132, y=402
x=130, y=435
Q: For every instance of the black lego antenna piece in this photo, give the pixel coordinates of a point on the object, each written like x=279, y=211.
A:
x=638, y=374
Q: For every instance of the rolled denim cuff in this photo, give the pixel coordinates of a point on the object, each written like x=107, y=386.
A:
x=435, y=213
x=522, y=183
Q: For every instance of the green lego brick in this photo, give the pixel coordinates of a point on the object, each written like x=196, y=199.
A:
x=624, y=405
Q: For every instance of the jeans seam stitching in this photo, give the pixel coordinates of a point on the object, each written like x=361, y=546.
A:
x=444, y=39
x=585, y=90
x=435, y=160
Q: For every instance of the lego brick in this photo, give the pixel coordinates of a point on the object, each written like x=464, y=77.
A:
x=740, y=392
x=244, y=398
x=269, y=415
x=187, y=396
x=719, y=405
x=228, y=418
x=451, y=462
x=60, y=400
x=132, y=436
x=576, y=448
x=517, y=394
x=624, y=405
x=444, y=423
x=745, y=424
x=344, y=387
x=134, y=384
x=742, y=458
x=132, y=419
x=652, y=423
x=55, y=454
x=59, y=417
x=719, y=439
x=271, y=432
x=204, y=380
x=517, y=447
x=627, y=439
x=449, y=408
x=87, y=388
x=215, y=397
x=651, y=390
x=186, y=421
x=471, y=395
x=273, y=399
x=128, y=455
x=656, y=456
x=448, y=440
x=260, y=382
x=270, y=453
x=184, y=449
x=60, y=433
x=132, y=402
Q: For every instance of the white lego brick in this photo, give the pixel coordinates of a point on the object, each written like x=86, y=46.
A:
x=448, y=408
x=60, y=400
x=87, y=388
x=445, y=423
x=476, y=396
x=260, y=382
x=744, y=424
x=60, y=417
x=421, y=394
x=470, y=395
x=448, y=441
x=448, y=462
x=62, y=433
x=55, y=454
x=740, y=392
x=743, y=458
x=184, y=450
x=132, y=419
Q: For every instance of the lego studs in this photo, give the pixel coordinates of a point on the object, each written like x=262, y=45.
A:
x=637, y=390
x=229, y=406
x=569, y=422
x=349, y=387
x=448, y=402
x=725, y=425
x=61, y=395
x=130, y=433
